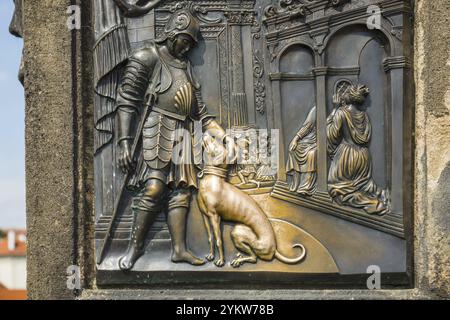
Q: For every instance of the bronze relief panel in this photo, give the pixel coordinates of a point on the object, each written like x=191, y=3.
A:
x=251, y=142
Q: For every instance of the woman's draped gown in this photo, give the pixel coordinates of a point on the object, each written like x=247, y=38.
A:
x=301, y=166
x=350, y=179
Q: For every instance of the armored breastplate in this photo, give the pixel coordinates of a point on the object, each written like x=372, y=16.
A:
x=179, y=97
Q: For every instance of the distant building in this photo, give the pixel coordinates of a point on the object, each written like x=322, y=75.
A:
x=13, y=264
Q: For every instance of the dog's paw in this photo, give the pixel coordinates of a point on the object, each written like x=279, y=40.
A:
x=219, y=262
x=236, y=263
x=210, y=257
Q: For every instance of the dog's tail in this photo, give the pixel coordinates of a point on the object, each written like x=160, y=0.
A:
x=287, y=260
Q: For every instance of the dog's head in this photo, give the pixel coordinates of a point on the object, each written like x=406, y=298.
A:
x=219, y=152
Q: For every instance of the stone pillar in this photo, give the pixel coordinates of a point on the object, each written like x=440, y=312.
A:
x=59, y=146
x=432, y=144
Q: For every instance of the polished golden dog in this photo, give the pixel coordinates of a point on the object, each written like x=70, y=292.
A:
x=219, y=200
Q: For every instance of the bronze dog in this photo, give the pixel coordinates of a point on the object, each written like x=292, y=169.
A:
x=219, y=200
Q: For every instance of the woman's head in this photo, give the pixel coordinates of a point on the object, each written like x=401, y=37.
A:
x=356, y=94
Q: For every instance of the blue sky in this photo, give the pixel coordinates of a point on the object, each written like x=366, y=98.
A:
x=12, y=145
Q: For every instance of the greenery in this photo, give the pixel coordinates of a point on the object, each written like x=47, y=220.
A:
x=2, y=234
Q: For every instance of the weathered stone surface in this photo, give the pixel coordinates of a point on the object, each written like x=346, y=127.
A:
x=431, y=227
x=59, y=128
x=57, y=163
x=254, y=294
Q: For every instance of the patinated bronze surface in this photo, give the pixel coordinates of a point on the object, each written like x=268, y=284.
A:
x=349, y=134
x=302, y=160
x=263, y=136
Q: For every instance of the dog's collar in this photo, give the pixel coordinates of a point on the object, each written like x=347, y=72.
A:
x=210, y=170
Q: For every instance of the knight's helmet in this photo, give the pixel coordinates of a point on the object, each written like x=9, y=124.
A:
x=182, y=22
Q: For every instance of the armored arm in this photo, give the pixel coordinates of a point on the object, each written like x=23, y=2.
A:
x=211, y=126
x=208, y=121
x=130, y=98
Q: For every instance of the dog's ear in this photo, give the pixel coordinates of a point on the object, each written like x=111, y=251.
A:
x=209, y=147
x=236, y=154
x=206, y=141
x=231, y=148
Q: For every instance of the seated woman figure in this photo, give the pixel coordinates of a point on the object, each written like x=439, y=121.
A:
x=301, y=167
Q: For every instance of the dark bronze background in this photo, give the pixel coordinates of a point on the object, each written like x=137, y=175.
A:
x=265, y=64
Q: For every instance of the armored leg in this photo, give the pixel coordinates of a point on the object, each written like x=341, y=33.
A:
x=145, y=211
x=177, y=221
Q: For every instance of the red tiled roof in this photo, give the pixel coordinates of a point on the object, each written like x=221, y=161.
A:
x=20, y=248
x=13, y=294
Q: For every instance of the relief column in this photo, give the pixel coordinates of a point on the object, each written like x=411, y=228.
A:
x=236, y=18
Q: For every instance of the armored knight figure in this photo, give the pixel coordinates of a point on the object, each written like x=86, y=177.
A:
x=160, y=77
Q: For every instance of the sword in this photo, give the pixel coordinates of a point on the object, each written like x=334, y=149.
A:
x=119, y=197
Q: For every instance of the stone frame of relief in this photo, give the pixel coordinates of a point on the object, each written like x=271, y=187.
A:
x=299, y=67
